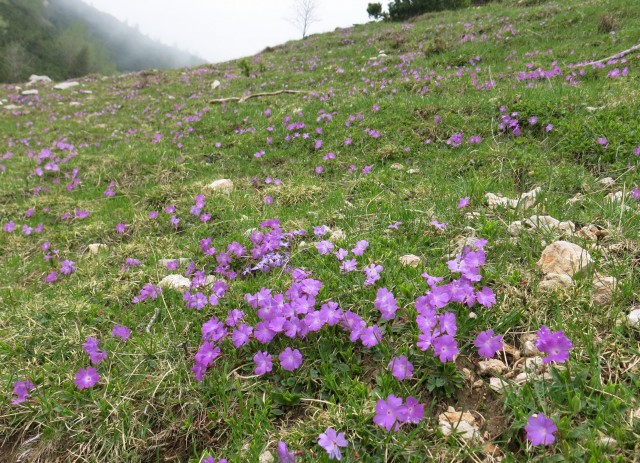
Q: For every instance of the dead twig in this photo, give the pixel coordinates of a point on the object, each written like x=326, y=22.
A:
x=244, y=98
x=617, y=55
x=153, y=320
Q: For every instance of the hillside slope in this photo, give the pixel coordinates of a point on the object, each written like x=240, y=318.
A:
x=370, y=241
x=68, y=38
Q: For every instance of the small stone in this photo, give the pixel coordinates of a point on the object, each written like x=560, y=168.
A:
x=266, y=457
x=603, y=288
x=463, y=423
x=33, y=79
x=181, y=261
x=65, y=85
x=211, y=279
x=410, y=260
x=498, y=385
x=224, y=185
x=177, y=282
x=215, y=84
x=588, y=232
x=549, y=223
x=491, y=367
x=529, y=348
x=616, y=197
x=467, y=374
x=607, y=182
x=10, y=107
x=473, y=315
x=563, y=257
x=515, y=228
x=512, y=351
x=634, y=318
x=555, y=281
x=478, y=384
x=30, y=92
x=525, y=201
x=337, y=235
x=413, y=171
x=575, y=199
x=397, y=166
x=607, y=441
x=95, y=248
x=533, y=364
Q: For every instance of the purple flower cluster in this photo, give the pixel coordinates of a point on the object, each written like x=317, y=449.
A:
x=148, y=291
x=394, y=412
x=90, y=346
x=438, y=330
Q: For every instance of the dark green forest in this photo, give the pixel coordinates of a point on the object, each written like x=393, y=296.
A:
x=68, y=38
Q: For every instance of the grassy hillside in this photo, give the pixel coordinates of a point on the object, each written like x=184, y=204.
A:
x=399, y=133
x=68, y=38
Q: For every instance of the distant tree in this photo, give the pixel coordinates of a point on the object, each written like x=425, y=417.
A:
x=374, y=10
x=304, y=14
x=15, y=62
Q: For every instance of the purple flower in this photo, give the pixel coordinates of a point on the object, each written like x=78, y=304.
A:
x=386, y=303
x=324, y=247
x=122, y=332
x=414, y=411
x=488, y=344
x=21, y=389
x=556, y=345
x=86, y=378
x=390, y=413
x=290, y=359
x=437, y=225
x=486, y=297
x=264, y=363
x=548, y=128
x=51, y=277
x=635, y=194
x=373, y=274
x=445, y=347
x=603, y=142
x=455, y=139
x=241, y=335
x=360, y=248
x=348, y=266
x=401, y=368
x=464, y=202
x=121, y=228
x=540, y=430
x=284, y=456
x=371, y=336
x=331, y=442
x=67, y=267
x=210, y=459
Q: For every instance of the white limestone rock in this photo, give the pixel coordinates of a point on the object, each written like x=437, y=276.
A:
x=223, y=185
x=563, y=257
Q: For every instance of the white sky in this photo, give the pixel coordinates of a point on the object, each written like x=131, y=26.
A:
x=219, y=30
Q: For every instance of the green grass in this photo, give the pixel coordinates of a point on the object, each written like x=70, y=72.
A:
x=148, y=406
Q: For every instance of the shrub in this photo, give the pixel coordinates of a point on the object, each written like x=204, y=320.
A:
x=400, y=10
